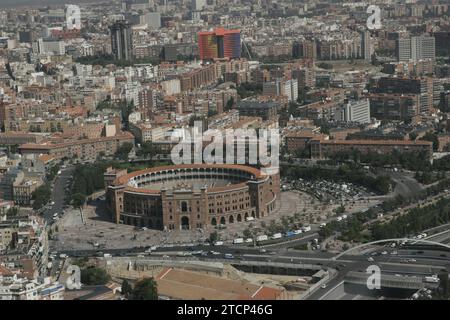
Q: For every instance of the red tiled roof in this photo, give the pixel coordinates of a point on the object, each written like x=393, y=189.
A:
x=378, y=142
x=49, y=146
x=5, y=271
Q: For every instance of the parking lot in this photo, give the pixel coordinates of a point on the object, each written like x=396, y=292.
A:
x=332, y=192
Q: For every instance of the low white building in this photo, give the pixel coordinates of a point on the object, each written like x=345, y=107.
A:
x=13, y=287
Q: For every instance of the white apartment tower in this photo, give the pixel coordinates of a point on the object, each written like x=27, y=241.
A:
x=416, y=48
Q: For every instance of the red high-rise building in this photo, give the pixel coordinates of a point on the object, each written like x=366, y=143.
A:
x=220, y=43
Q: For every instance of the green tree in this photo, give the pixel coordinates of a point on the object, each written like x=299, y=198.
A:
x=41, y=196
x=12, y=212
x=147, y=150
x=126, y=109
x=412, y=136
x=432, y=137
x=324, y=65
x=127, y=290
x=94, y=276
x=78, y=200
x=213, y=237
x=247, y=233
x=340, y=209
x=123, y=151
x=146, y=289
x=52, y=172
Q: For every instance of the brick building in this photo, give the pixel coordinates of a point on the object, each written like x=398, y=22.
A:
x=192, y=196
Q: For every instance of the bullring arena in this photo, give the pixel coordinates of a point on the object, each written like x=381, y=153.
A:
x=184, y=197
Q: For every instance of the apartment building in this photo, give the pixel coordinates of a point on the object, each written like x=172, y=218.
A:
x=85, y=149
x=327, y=148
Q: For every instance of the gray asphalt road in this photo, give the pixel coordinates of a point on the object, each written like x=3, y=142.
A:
x=58, y=194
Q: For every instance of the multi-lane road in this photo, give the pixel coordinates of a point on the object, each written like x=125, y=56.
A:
x=58, y=195
x=408, y=262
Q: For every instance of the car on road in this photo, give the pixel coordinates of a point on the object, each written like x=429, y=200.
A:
x=262, y=238
x=228, y=256
x=306, y=228
x=324, y=286
x=432, y=279
x=370, y=259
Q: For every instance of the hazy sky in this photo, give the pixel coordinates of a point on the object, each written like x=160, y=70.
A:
x=36, y=3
